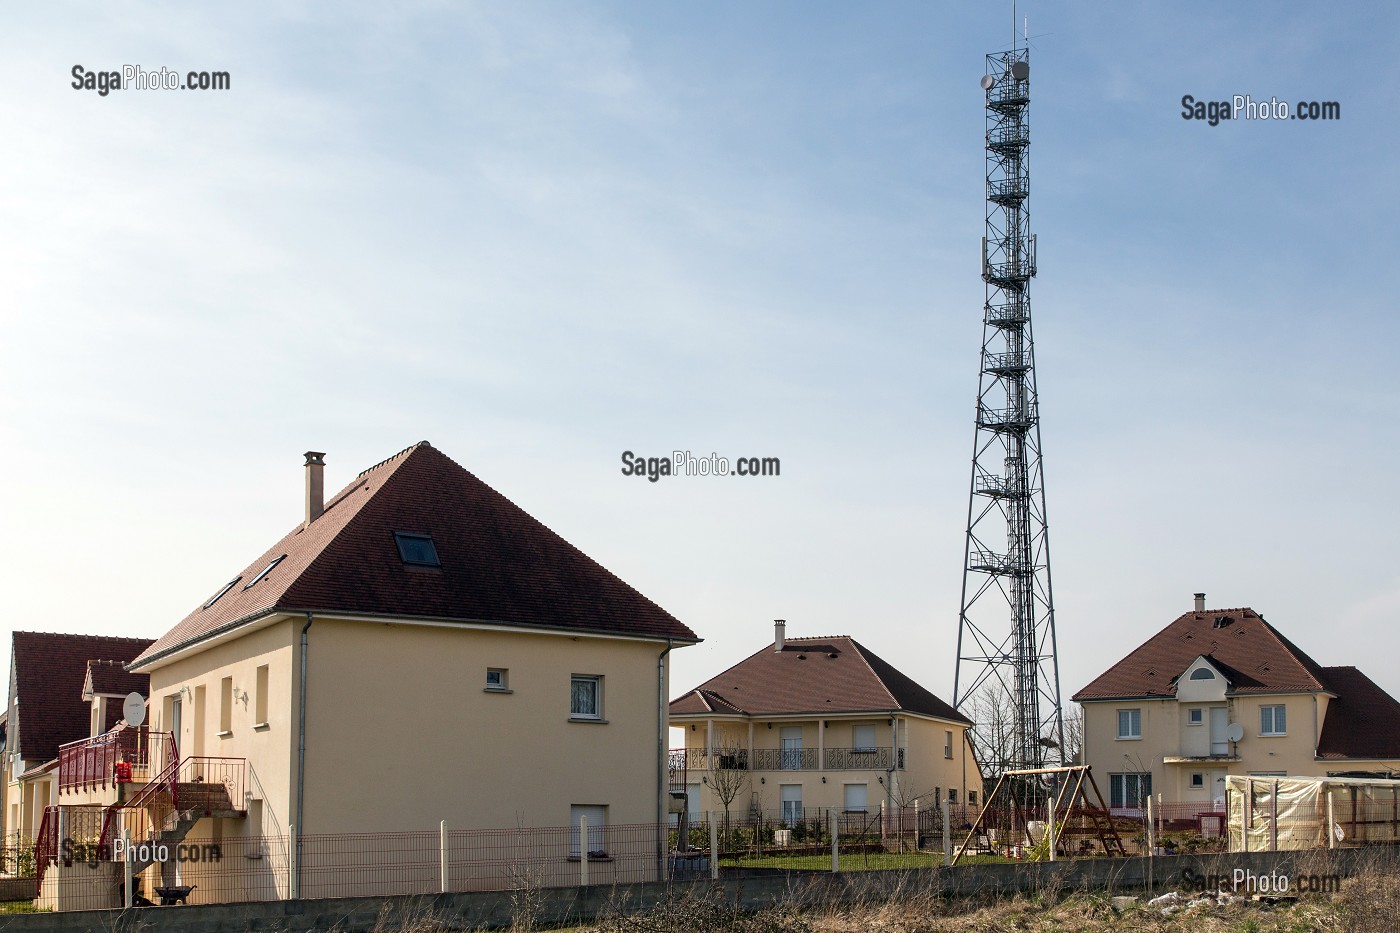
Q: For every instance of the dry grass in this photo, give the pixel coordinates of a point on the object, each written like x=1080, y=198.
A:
x=1368, y=903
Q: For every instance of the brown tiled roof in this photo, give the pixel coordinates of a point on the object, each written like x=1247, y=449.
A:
x=1362, y=722
x=831, y=674
x=112, y=679
x=1250, y=651
x=49, y=670
x=499, y=564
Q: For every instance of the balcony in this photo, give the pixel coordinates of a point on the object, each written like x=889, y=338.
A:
x=787, y=759
x=91, y=764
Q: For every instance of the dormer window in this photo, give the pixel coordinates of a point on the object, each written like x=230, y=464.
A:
x=1203, y=673
x=417, y=550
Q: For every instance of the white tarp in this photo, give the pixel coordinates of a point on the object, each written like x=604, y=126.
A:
x=1267, y=813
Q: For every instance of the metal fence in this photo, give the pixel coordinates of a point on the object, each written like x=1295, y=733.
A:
x=227, y=861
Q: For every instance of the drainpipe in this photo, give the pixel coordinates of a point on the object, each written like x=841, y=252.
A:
x=301, y=754
x=1315, y=735
x=662, y=750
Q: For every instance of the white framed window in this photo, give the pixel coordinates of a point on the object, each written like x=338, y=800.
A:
x=855, y=798
x=586, y=697
x=1198, y=781
x=1202, y=673
x=597, y=817
x=947, y=743
x=952, y=795
x=498, y=678
x=863, y=738
x=1129, y=789
x=1273, y=720
x=1195, y=716
x=790, y=796
x=972, y=797
x=1130, y=724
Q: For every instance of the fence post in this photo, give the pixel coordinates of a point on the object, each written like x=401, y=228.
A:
x=1151, y=843
x=442, y=852
x=1050, y=825
x=1331, y=823
x=947, y=833
x=714, y=848
x=835, y=846
x=882, y=821
x=583, y=850
x=916, y=823
x=126, y=865
x=292, y=845
x=1273, y=829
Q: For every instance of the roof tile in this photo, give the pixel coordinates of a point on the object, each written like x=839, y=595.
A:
x=499, y=564
x=805, y=677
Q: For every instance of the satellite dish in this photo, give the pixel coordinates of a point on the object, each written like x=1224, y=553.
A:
x=1020, y=70
x=134, y=709
x=987, y=82
x=1234, y=732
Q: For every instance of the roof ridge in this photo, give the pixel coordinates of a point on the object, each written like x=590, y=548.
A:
x=860, y=651
x=406, y=450
x=1300, y=657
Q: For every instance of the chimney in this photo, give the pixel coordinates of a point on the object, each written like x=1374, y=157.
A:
x=779, y=634
x=315, y=486
x=1200, y=602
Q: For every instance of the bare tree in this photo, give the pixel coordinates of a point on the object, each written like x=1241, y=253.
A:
x=729, y=776
x=1074, y=734
x=994, y=734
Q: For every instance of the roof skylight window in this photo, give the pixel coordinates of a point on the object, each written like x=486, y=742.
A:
x=417, y=550
x=227, y=586
x=265, y=571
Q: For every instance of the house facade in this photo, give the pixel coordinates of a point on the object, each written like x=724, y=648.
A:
x=417, y=649
x=1221, y=692
x=53, y=702
x=809, y=725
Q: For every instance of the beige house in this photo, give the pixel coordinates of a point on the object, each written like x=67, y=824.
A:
x=416, y=649
x=1221, y=692
x=808, y=725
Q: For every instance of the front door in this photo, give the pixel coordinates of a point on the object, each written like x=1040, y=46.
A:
x=1215, y=780
x=1219, y=722
x=792, y=748
x=175, y=720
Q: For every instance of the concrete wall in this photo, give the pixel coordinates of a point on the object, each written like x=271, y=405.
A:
x=559, y=906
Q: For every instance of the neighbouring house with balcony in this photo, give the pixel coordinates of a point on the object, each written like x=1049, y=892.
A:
x=808, y=725
x=63, y=689
x=416, y=649
x=1222, y=692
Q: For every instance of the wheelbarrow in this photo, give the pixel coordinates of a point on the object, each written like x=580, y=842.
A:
x=174, y=894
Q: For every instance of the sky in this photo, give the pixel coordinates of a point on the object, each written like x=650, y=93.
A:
x=540, y=234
